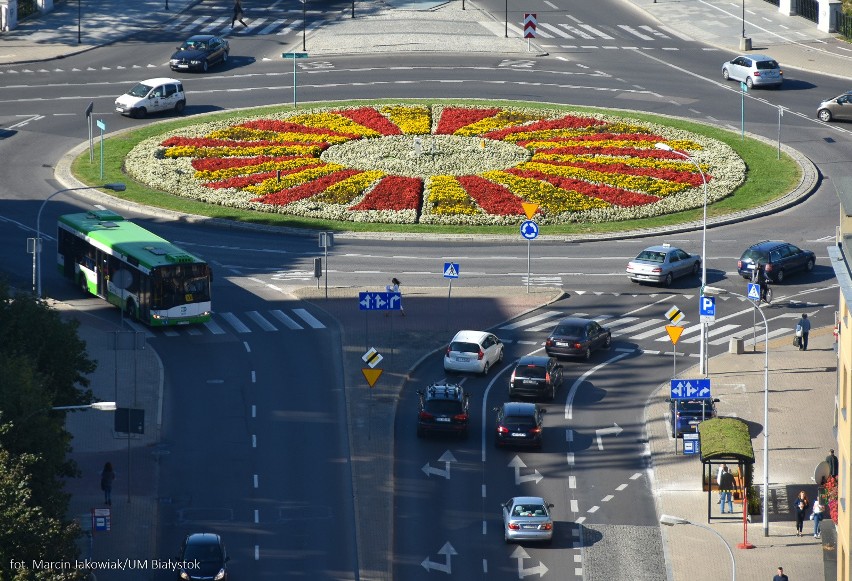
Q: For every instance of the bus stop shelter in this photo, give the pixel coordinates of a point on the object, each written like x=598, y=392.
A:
x=725, y=441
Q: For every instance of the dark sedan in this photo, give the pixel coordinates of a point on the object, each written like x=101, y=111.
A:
x=519, y=424
x=200, y=52
x=205, y=558
x=575, y=337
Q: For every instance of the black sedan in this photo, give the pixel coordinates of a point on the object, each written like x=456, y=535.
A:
x=199, y=52
x=576, y=337
x=519, y=424
x=204, y=556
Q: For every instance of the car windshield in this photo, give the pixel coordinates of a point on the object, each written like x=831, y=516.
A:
x=650, y=256
x=139, y=90
x=521, y=421
x=193, y=45
x=763, y=65
x=569, y=331
x=754, y=256
x=203, y=552
x=443, y=407
x=694, y=407
x=531, y=371
x=529, y=510
x=463, y=347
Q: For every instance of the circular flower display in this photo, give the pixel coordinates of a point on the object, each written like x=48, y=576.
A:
x=440, y=164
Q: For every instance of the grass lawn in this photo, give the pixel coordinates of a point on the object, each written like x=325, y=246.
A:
x=768, y=177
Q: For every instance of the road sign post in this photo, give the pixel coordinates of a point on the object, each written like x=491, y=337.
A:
x=102, y=127
x=451, y=271
x=294, y=56
x=529, y=230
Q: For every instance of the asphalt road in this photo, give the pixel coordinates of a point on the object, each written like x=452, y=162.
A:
x=210, y=425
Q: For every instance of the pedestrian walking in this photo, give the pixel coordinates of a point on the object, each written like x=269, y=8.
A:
x=817, y=515
x=833, y=465
x=803, y=329
x=238, y=13
x=722, y=468
x=393, y=287
x=780, y=576
x=727, y=486
x=800, y=507
x=107, y=478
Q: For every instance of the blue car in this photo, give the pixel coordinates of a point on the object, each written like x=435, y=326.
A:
x=778, y=259
x=686, y=414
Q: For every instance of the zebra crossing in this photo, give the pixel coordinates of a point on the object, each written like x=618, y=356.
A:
x=652, y=330
x=582, y=32
x=278, y=23
x=240, y=323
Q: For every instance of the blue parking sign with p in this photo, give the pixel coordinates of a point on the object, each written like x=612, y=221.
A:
x=707, y=306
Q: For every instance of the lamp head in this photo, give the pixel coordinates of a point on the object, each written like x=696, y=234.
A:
x=663, y=146
x=116, y=187
x=669, y=520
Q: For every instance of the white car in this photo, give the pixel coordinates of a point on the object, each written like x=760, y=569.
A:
x=152, y=96
x=473, y=351
x=527, y=518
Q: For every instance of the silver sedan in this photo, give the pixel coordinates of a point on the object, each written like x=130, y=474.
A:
x=527, y=518
x=662, y=264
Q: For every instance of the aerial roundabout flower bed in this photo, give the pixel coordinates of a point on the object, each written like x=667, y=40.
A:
x=439, y=164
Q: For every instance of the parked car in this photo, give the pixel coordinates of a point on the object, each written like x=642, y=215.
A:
x=576, y=337
x=527, y=518
x=152, y=96
x=443, y=408
x=535, y=376
x=778, y=259
x=686, y=414
x=206, y=552
x=838, y=108
x=199, y=52
x=662, y=264
x=473, y=351
x=755, y=70
x=519, y=424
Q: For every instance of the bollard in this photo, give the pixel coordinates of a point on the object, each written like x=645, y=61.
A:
x=736, y=346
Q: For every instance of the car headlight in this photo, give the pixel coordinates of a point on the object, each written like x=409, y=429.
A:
x=174, y=61
x=220, y=575
x=184, y=574
x=195, y=61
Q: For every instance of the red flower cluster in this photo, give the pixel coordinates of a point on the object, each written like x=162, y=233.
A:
x=217, y=163
x=255, y=178
x=454, y=118
x=616, y=196
x=206, y=142
x=681, y=177
x=369, y=117
x=614, y=151
x=567, y=122
x=317, y=186
x=287, y=127
x=393, y=193
x=491, y=197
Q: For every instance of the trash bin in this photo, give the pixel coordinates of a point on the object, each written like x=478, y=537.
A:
x=736, y=346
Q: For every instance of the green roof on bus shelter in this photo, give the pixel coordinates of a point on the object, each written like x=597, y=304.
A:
x=725, y=439
x=124, y=237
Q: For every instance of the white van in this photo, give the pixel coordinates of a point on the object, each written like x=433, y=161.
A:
x=152, y=96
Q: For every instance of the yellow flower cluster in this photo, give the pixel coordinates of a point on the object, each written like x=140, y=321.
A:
x=294, y=179
x=621, y=127
x=626, y=160
x=545, y=134
x=334, y=122
x=684, y=145
x=246, y=134
x=648, y=185
x=552, y=200
x=447, y=196
x=499, y=121
x=229, y=172
x=411, y=120
x=343, y=192
x=273, y=150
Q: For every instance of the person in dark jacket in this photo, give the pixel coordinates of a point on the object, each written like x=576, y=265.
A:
x=238, y=13
x=833, y=465
x=107, y=478
x=780, y=576
x=727, y=485
x=800, y=507
x=804, y=325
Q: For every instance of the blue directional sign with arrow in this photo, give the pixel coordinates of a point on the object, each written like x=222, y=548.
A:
x=380, y=301
x=529, y=229
x=689, y=388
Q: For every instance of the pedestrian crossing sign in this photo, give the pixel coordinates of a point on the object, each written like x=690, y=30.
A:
x=451, y=270
x=754, y=291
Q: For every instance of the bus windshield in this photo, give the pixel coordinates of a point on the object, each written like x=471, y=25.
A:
x=180, y=284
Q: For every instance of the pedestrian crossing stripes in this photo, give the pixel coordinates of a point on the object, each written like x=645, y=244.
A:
x=581, y=31
x=277, y=24
x=240, y=323
x=653, y=329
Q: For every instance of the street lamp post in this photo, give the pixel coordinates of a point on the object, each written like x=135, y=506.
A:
x=702, y=350
x=671, y=521
x=116, y=187
x=711, y=290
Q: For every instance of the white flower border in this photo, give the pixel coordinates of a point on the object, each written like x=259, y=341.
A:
x=147, y=164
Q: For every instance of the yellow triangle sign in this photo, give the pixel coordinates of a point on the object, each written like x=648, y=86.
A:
x=674, y=333
x=371, y=375
x=529, y=209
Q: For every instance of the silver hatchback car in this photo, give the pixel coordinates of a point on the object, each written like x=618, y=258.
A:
x=755, y=70
x=838, y=108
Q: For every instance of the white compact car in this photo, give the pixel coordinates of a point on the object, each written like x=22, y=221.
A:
x=152, y=96
x=473, y=351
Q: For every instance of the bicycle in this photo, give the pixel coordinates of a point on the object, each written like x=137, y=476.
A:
x=766, y=293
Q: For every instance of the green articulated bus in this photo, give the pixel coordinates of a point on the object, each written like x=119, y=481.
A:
x=149, y=278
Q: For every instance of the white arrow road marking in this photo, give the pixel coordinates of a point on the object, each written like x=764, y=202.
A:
x=520, y=554
x=446, y=458
x=517, y=464
x=446, y=550
x=615, y=429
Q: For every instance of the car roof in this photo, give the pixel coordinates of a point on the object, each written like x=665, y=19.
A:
x=201, y=37
x=519, y=408
x=660, y=248
x=470, y=336
x=574, y=321
x=540, y=360
x=159, y=81
x=528, y=500
x=202, y=539
x=766, y=244
x=758, y=57
x=448, y=391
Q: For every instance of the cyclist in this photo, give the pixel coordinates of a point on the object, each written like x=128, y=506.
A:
x=759, y=276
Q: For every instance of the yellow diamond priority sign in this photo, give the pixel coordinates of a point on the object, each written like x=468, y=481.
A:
x=674, y=315
x=372, y=357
